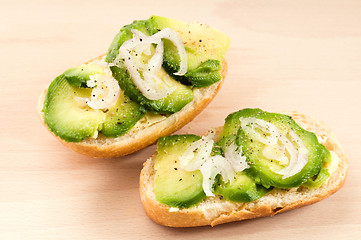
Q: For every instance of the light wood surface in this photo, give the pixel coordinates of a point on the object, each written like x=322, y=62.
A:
x=285, y=55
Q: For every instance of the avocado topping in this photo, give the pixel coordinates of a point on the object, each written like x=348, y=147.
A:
x=280, y=153
x=203, y=59
x=205, y=48
x=85, y=101
x=266, y=141
x=242, y=189
x=78, y=76
x=68, y=114
x=172, y=185
x=174, y=102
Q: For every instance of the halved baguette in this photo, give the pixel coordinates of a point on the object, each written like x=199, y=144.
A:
x=213, y=211
x=141, y=135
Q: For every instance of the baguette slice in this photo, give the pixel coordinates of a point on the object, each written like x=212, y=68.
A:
x=142, y=134
x=213, y=211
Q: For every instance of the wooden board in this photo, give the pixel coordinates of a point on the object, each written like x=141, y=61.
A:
x=285, y=55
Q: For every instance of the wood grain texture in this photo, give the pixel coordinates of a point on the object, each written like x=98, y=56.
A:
x=285, y=55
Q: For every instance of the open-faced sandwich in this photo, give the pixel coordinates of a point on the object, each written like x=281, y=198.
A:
x=157, y=76
x=259, y=164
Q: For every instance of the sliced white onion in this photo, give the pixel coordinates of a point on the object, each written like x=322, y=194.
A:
x=234, y=156
x=92, y=82
x=213, y=166
x=105, y=93
x=197, y=153
x=278, y=145
x=198, y=157
x=151, y=86
x=250, y=124
x=173, y=36
x=298, y=158
x=155, y=63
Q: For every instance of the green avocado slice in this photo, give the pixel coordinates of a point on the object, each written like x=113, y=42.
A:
x=322, y=176
x=124, y=35
x=170, y=104
x=243, y=189
x=78, y=76
x=68, y=116
x=121, y=117
x=261, y=168
x=205, y=47
x=173, y=186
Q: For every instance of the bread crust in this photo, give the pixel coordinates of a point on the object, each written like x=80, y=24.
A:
x=272, y=203
x=138, y=139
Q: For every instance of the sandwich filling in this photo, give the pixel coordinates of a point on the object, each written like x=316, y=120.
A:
x=131, y=52
x=256, y=152
x=150, y=72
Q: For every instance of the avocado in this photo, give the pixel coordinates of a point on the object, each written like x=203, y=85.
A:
x=205, y=47
x=78, y=76
x=262, y=169
x=205, y=74
x=170, y=104
x=183, y=189
x=124, y=35
x=68, y=116
x=322, y=176
x=318, y=180
x=243, y=189
x=173, y=186
x=121, y=117
x=205, y=51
